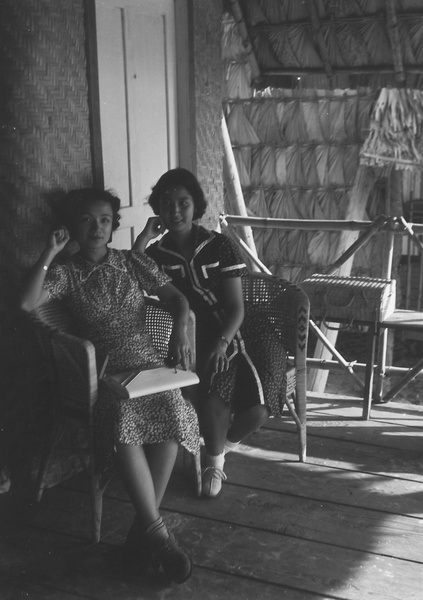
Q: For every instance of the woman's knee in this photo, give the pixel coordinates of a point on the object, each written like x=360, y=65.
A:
x=258, y=413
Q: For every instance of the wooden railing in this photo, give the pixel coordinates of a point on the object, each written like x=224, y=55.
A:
x=392, y=226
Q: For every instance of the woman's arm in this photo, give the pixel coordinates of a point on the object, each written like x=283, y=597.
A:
x=33, y=294
x=180, y=349
x=233, y=305
x=152, y=229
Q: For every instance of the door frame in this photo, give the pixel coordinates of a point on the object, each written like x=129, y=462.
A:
x=185, y=89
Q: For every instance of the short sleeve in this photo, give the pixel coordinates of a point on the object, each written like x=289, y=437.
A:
x=57, y=282
x=147, y=272
x=231, y=263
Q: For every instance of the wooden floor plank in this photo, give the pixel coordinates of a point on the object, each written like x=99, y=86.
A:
x=402, y=433
x=346, y=487
x=65, y=570
x=258, y=468
x=255, y=554
x=362, y=529
x=270, y=557
x=339, y=453
x=349, y=406
x=343, y=526
x=326, y=522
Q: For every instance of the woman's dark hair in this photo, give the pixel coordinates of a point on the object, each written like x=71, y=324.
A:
x=75, y=201
x=178, y=178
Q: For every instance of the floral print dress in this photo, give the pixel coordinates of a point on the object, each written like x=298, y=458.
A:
x=107, y=302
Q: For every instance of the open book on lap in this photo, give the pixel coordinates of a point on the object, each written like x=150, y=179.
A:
x=150, y=381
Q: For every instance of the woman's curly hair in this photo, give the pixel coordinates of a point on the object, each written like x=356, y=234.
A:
x=75, y=200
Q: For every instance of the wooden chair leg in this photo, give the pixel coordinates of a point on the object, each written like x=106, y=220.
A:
x=302, y=434
x=301, y=430
x=195, y=466
x=196, y=460
x=42, y=471
x=50, y=443
x=96, y=507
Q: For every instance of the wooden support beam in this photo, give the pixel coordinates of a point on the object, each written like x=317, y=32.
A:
x=351, y=70
x=243, y=31
x=413, y=17
x=395, y=41
x=317, y=29
x=233, y=186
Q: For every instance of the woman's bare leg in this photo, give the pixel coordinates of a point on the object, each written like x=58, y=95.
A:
x=161, y=459
x=146, y=475
x=145, y=479
x=214, y=416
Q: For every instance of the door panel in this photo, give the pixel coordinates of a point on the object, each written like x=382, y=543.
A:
x=138, y=103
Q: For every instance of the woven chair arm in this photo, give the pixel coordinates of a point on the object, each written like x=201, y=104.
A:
x=160, y=323
x=285, y=304
x=76, y=372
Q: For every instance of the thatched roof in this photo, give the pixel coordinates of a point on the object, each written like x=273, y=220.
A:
x=299, y=120
x=330, y=44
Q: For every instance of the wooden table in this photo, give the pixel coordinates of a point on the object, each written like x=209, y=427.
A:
x=403, y=320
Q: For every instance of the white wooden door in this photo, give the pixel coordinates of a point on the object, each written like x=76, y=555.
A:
x=138, y=103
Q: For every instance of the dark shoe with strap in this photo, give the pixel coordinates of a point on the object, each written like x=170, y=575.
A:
x=174, y=560
x=137, y=551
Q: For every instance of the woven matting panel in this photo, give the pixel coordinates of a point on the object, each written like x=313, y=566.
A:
x=46, y=141
x=297, y=155
x=208, y=104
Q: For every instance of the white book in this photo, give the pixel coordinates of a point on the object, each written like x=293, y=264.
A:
x=150, y=381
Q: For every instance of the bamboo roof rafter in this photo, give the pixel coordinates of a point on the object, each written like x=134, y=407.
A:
x=243, y=31
x=349, y=70
x=395, y=41
x=325, y=22
x=375, y=43
x=316, y=25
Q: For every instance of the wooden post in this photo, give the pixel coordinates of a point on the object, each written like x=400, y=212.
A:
x=233, y=185
x=386, y=338
x=363, y=184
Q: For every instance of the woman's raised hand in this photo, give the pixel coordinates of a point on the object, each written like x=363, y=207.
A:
x=152, y=229
x=58, y=239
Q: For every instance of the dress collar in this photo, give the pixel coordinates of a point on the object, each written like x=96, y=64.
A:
x=200, y=235
x=114, y=259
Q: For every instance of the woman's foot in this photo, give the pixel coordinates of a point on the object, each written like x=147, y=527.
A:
x=137, y=551
x=174, y=560
x=155, y=547
x=213, y=475
x=212, y=481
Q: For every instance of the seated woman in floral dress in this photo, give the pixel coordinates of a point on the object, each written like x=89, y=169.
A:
x=103, y=289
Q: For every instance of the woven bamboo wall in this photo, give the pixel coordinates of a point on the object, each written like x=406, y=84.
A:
x=207, y=23
x=45, y=142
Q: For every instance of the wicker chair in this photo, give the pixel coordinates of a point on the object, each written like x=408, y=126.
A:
x=73, y=372
x=286, y=306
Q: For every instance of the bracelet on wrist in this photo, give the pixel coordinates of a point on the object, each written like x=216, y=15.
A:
x=45, y=267
x=222, y=337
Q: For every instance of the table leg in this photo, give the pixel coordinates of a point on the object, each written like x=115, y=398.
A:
x=379, y=375
x=368, y=382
